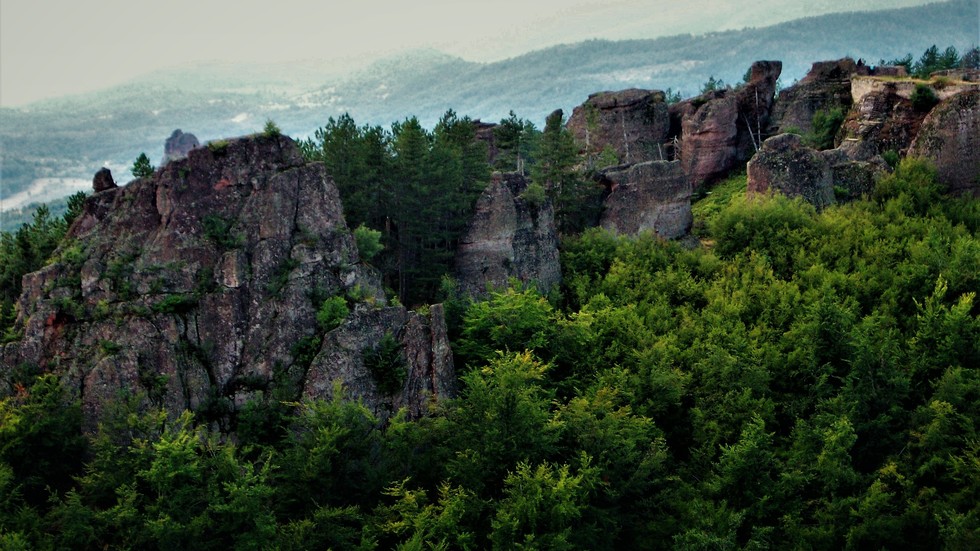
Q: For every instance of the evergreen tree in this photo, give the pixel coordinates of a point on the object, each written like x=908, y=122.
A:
x=142, y=167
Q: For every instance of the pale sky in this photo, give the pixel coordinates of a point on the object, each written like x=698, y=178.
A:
x=51, y=48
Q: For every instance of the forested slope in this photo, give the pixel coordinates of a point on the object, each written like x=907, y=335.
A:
x=802, y=380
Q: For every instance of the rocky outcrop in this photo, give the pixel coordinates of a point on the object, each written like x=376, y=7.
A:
x=509, y=237
x=178, y=145
x=634, y=123
x=784, y=164
x=723, y=128
x=103, y=180
x=826, y=86
x=198, y=287
x=880, y=121
x=651, y=196
x=485, y=134
x=950, y=137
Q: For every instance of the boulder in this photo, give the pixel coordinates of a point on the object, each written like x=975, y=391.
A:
x=723, y=128
x=508, y=237
x=651, y=196
x=103, y=180
x=784, y=164
x=950, y=137
x=178, y=145
x=826, y=86
x=634, y=123
x=202, y=293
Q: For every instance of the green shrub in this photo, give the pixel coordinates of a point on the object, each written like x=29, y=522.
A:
x=271, y=129
x=218, y=146
x=368, y=242
x=331, y=313
x=175, y=304
x=387, y=364
x=891, y=157
x=218, y=230
x=281, y=277
x=923, y=98
x=826, y=123
x=534, y=195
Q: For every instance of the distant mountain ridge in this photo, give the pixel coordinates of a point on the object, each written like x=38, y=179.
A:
x=72, y=137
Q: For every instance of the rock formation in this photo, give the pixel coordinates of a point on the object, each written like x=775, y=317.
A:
x=722, y=128
x=484, y=133
x=178, y=145
x=826, y=86
x=950, y=137
x=508, y=238
x=880, y=121
x=634, y=123
x=654, y=195
x=784, y=164
x=103, y=180
x=199, y=288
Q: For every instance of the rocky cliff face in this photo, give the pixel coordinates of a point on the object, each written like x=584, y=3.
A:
x=827, y=85
x=199, y=287
x=950, y=136
x=723, y=128
x=880, y=121
x=508, y=238
x=634, y=123
x=651, y=196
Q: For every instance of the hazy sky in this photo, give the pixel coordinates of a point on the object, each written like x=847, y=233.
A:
x=56, y=47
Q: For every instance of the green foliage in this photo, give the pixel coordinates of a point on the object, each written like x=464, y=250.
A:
x=826, y=123
x=332, y=313
x=386, y=363
x=923, y=98
x=512, y=320
x=368, y=242
x=217, y=147
x=280, y=278
x=712, y=85
x=556, y=157
x=175, y=304
x=142, y=167
x=414, y=186
x=271, y=129
x=534, y=195
x=218, y=229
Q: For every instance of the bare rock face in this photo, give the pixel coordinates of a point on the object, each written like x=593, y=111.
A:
x=723, y=128
x=508, y=238
x=784, y=164
x=826, y=86
x=178, y=145
x=103, y=180
x=198, y=288
x=880, y=121
x=950, y=136
x=425, y=355
x=634, y=123
x=654, y=195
